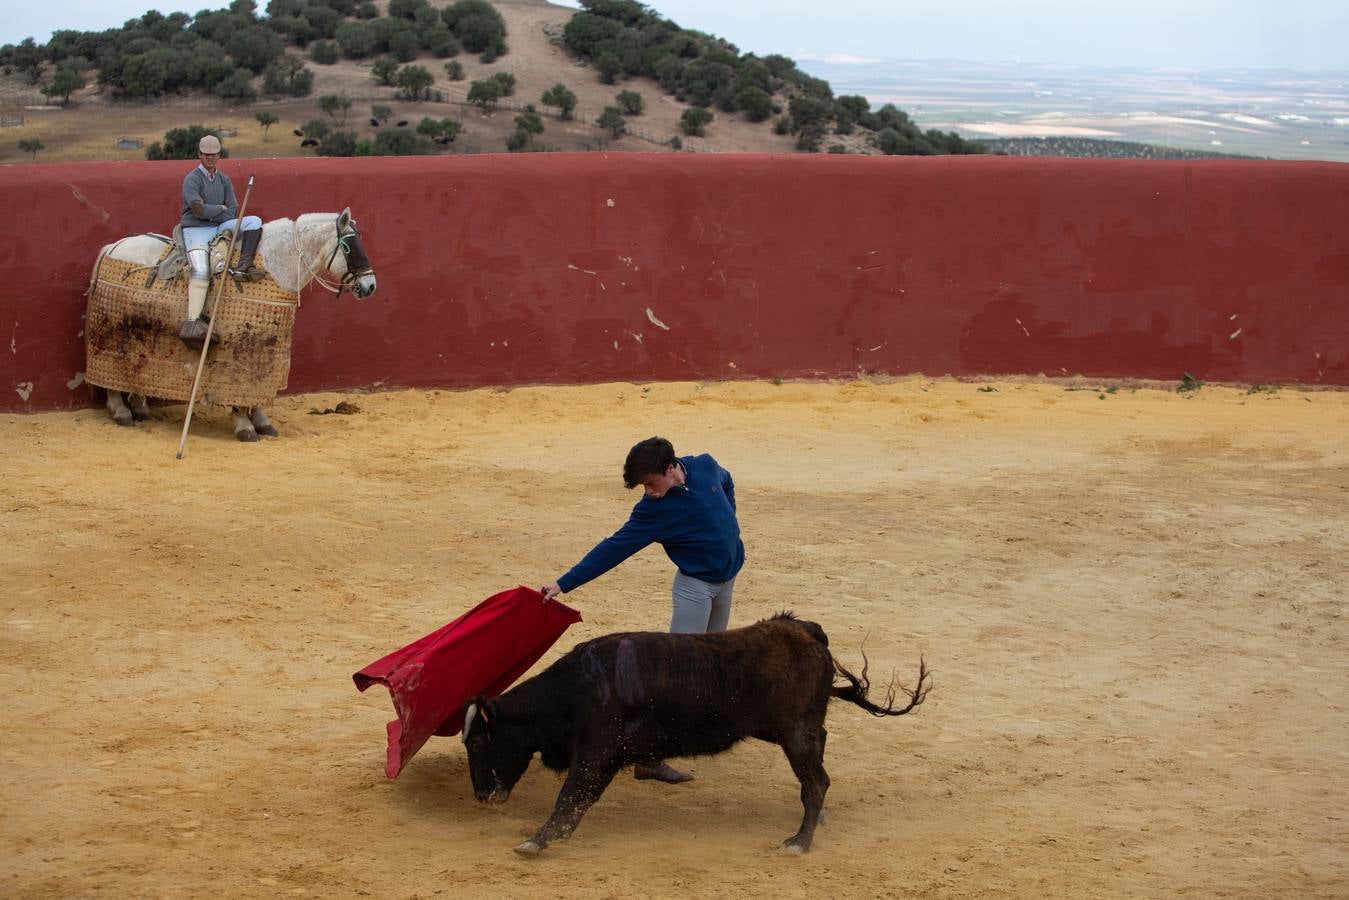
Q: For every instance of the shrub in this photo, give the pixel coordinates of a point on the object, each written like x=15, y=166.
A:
x=179, y=143
x=339, y=143
x=414, y=82
x=317, y=129
x=485, y=93
x=454, y=70
x=755, y=103
x=612, y=119
x=434, y=128
x=630, y=102
x=357, y=39
x=332, y=104
x=558, y=95
x=401, y=143
x=385, y=70
x=31, y=145
x=694, y=120
x=323, y=52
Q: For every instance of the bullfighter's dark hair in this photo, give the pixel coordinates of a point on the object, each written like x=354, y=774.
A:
x=652, y=456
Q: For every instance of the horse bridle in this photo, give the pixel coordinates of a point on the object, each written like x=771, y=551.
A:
x=353, y=253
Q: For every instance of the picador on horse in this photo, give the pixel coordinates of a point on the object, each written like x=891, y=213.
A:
x=146, y=325
x=210, y=208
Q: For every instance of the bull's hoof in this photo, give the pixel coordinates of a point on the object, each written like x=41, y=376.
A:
x=124, y=418
x=528, y=848
x=268, y=430
x=247, y=435
x=795, y=846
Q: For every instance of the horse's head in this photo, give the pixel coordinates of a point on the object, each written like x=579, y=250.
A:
x=348, y=260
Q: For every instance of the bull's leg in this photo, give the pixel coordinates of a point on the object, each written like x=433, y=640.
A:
x=806, y=754
x=243, y=426
x=585, y=783
x=117, y=408
x=140, y=409
x=263, y=425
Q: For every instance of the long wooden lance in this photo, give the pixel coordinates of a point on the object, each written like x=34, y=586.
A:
x=210, y=324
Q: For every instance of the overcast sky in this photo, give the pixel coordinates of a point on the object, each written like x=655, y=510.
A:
x=1301, y=34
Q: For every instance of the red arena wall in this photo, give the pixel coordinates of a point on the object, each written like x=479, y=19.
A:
x=572, y=268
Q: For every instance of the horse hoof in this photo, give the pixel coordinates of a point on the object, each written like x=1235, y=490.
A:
x=140, y=415
x=528, y=848
x=125, y=419
x=247, y=435
x=268, y=430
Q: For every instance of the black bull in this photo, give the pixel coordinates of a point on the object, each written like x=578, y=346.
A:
x=639, y=698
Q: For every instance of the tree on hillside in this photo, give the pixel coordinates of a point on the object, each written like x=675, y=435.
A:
x=630, y=102
x=287, y=77
x=612, y=119
x=754, y=102
x=414, y=82
x=381, y=112
x=609, y=66
x=27, y=57
x=529, y=121
x=31, y=145
x=478, y=26
x=507, y=81
x=332, y=104
x=558, y=95
x=181, y=143
x=338, y=143
x=266, y=120
x=385, y=70
x=454, y=70
x=436, y=128
x=356, y=39
x=64, y=81
x=694, y=119
x=485, y=93
x=401, y=143
x=323, y=52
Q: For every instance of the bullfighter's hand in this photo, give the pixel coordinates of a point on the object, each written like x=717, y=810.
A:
x=550, y=590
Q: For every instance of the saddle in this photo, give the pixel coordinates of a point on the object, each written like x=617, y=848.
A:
x=174, y=258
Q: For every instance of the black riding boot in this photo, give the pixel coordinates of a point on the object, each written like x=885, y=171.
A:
x=248, y=245
x=193, y=332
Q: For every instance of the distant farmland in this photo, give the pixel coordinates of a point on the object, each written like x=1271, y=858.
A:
x=1276, y=114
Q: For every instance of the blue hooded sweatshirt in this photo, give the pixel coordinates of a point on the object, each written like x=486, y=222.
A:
x=695, y=523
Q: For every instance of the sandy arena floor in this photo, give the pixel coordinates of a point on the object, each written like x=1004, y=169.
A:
x=1133, y=603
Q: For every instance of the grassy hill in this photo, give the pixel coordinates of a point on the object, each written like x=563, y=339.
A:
x=94, y=126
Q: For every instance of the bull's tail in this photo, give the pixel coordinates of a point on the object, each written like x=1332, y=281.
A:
x=857, y=688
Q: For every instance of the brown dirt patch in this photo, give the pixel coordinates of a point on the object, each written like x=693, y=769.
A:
x=1133, y=603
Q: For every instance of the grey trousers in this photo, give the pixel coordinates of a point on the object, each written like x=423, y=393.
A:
x=700, y=606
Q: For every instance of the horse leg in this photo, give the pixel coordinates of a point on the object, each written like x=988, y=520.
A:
x=117, y=408
x=243, y=427
x=140, y=410
x=263, y=425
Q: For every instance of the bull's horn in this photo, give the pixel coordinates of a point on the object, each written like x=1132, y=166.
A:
x=468, y=720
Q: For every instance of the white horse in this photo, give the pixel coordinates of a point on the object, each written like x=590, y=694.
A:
x=321, y=247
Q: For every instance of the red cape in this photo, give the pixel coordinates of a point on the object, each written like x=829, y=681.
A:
x=481, y=652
